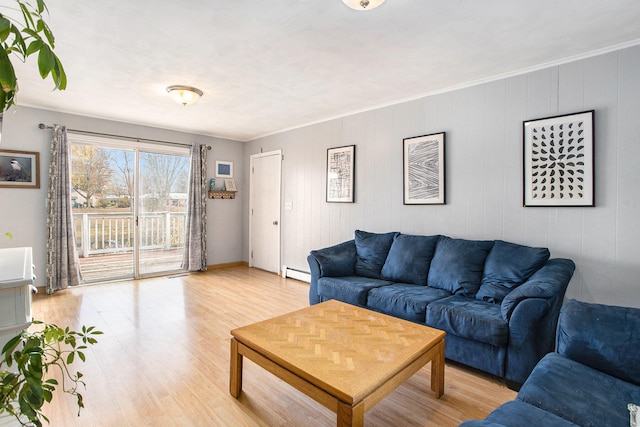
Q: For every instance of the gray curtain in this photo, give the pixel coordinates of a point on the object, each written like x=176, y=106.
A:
x=195, y=253
x=62, y=255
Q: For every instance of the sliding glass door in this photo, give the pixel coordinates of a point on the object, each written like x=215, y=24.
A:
x=129, y=206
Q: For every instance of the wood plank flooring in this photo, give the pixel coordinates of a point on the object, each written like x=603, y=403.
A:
x=164, y=359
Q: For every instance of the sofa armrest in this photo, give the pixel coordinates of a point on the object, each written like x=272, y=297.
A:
x=532, y=311
x=550, y=282
x=603, y=337
x=335, y=261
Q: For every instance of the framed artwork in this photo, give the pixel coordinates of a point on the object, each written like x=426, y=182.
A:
x=558, y=161
x=19, y=169
x=423, y=169
x=230, y=184
x=340, y=174
x=224, y=169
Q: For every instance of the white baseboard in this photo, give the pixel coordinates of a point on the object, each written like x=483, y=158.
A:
x=295, y=274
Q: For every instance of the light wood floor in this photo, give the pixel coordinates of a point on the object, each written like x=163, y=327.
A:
x=164, y=359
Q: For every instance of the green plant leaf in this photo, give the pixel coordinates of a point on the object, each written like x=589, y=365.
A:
x=70, y=358
x=7, y=74
x=46, y=61
x=80, y=403
x=59, y=76
x=5, y=28
x=34, y=46
x=42, y=7
x=9, y=347
x=49, y=35
x=6, y=100
x=28, y=21
x=31, y=33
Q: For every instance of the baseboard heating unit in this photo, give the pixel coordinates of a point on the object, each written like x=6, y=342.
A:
x=293, y=273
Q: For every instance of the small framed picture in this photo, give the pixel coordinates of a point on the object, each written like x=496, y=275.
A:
x=424, y=169
x=230, y=184
x=558, y=161
x=19, y=169
x=224, y=169
x=340, y=174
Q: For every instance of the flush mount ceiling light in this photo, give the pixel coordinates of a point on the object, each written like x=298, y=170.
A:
x=363, y=4
x=184, y=95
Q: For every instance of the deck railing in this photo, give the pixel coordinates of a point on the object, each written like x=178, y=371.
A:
x=102, y=233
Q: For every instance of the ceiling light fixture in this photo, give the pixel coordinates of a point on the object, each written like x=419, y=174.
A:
x=184, y=95
x=363, y=4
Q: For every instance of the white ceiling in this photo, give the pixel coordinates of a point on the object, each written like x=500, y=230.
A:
x=270, y=65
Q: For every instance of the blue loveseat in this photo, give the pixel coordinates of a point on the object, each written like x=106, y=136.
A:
x=497, y=301
x=589, y=381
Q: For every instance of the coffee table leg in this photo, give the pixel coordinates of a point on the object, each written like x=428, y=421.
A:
x=235, y=371
x=350, y=416
x=437, y=371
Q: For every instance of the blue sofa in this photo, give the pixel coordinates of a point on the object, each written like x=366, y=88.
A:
x=590, y=379
x=497, y=301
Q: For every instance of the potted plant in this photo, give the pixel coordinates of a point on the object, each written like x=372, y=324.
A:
x=22, y=37
x=26, y=362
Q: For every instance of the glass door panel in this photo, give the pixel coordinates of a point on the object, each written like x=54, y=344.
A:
x=102, y=185
x=162, y=208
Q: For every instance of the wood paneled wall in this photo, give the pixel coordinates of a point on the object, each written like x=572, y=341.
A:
x=484, y=172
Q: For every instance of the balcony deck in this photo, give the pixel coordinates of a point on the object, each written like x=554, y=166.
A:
x=113, y=266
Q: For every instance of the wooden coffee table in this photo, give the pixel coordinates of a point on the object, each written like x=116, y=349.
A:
x=345, y=357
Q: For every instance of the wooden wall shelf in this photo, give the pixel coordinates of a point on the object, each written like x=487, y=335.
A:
x=222, y=194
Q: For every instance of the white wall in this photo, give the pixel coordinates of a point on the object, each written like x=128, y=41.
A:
x=484, y=172
x=23, y=211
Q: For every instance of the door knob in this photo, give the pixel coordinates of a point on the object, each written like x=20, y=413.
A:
x=275, y=222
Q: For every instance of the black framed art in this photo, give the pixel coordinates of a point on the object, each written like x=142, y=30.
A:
x=340, y=174
x=424, y=178
x=558, y=161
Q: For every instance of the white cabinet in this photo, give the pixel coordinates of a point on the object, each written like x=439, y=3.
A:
x=16, y=278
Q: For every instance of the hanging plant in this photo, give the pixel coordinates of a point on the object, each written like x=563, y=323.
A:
x=26, y=361
x=21, y=38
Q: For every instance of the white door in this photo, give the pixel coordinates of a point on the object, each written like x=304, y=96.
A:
x=264, y=211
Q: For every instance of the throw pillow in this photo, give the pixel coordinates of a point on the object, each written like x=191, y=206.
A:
x=371, y=252
x=509, y=265
x=409, y=259
x=458, y=264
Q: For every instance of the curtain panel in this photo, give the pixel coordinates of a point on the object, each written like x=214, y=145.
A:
x=195, y=254
x=62, y=255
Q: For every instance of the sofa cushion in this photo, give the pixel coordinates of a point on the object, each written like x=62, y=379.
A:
x=458, y=264
x=349, y=289
x=578, y=393
x=404, y=300
x=603, y=337
x=469, y=318
x=409, y=259
x=509, y=265
x=371, y=252
x=520, y=414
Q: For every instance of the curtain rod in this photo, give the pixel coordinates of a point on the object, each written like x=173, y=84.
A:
x=131, y=138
